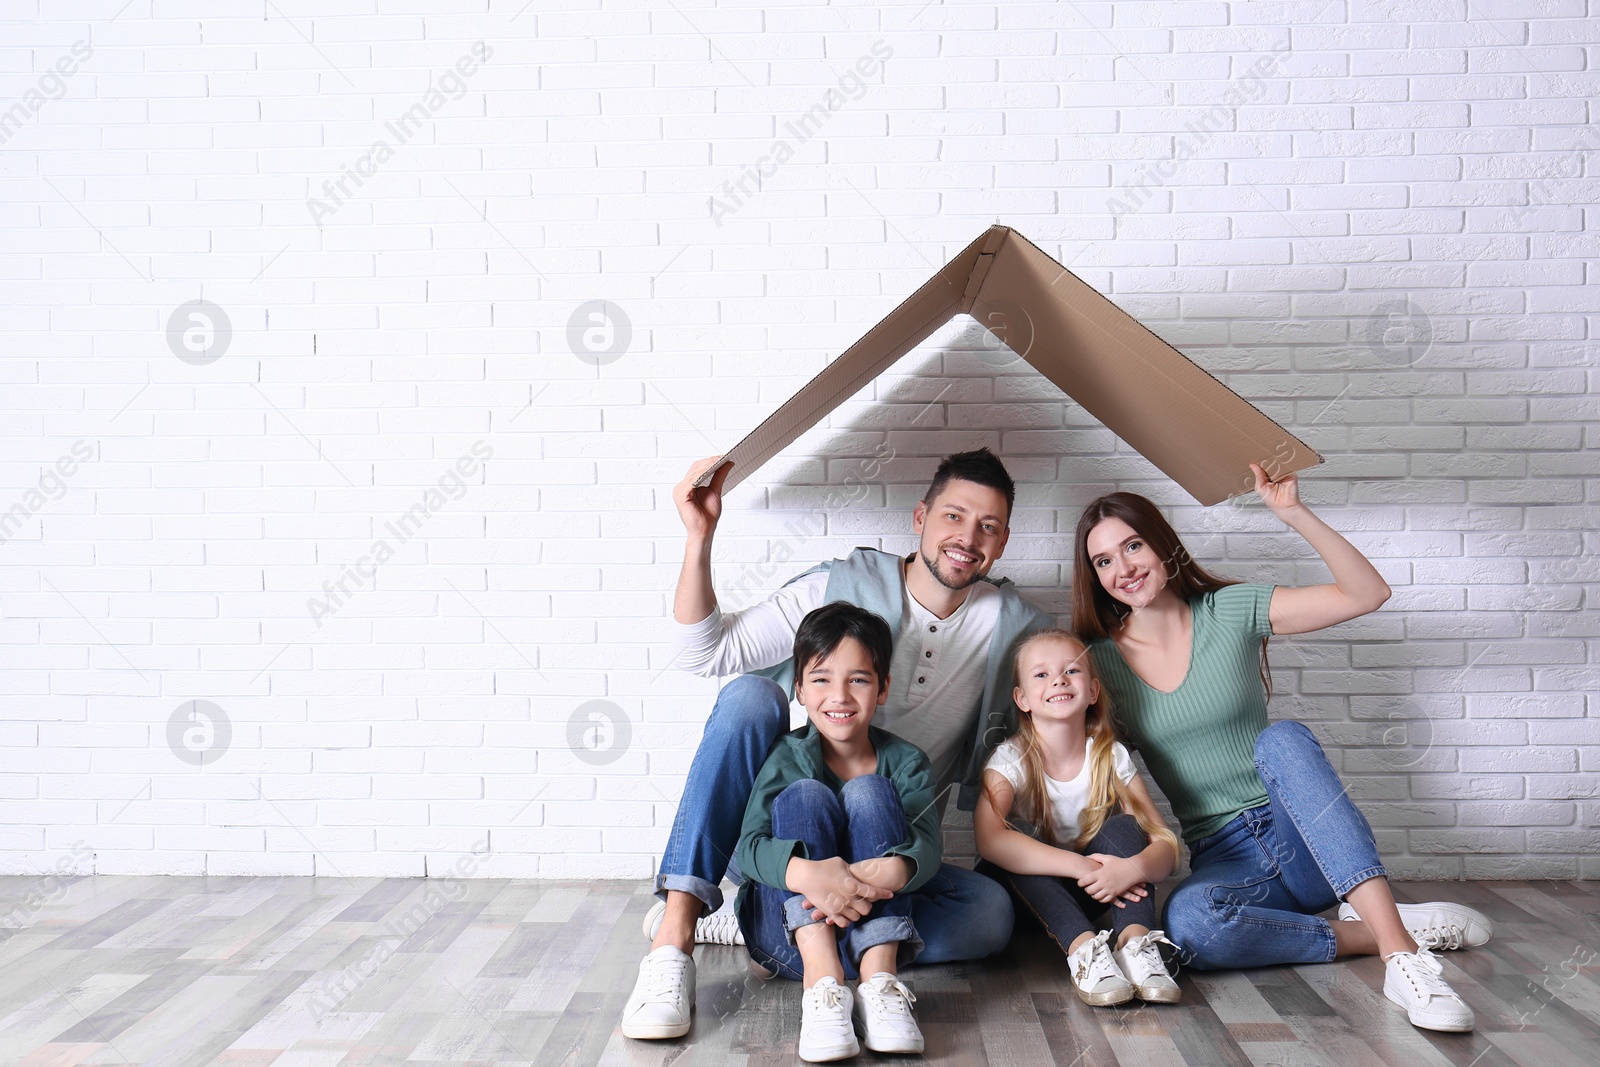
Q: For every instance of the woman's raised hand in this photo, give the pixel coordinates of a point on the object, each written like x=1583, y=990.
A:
x=1279, y=496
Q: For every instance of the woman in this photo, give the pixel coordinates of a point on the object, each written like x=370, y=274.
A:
x=1273, y=836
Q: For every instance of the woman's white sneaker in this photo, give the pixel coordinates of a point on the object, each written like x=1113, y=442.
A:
x=1145, y=970
x=825, y=1029
x=1413, y=981
x=1095, y=974
x=663, y=996
x=1439, y=924
x=883, y=1014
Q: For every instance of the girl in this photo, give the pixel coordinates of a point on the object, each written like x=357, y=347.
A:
x=1273, y=835
x=1093, y=836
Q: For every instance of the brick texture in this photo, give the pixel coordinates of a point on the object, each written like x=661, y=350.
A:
x=482, y=278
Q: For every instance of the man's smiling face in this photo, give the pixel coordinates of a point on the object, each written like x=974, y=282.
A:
x=963, y=532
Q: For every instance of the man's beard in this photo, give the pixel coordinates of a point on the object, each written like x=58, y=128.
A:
x=944, y=579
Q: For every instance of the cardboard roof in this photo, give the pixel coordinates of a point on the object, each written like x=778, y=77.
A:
x=1199, y=432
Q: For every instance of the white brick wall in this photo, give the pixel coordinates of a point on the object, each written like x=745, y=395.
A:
x=1261, y=183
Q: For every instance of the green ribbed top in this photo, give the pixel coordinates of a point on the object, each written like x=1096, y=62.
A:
x=1199, y=740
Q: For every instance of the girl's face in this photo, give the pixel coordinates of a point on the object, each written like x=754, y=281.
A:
x=1128, y=568
x=1055, y=680
x=841, y=691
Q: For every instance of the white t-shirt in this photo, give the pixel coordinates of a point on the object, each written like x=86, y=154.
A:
x=1067, y=799
x=935, y=678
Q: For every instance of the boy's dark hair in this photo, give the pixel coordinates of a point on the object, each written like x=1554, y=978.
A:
x=823, y=629
x=980, y=466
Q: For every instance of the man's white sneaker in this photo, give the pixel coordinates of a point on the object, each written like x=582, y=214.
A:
x=721, y=927
x=1145, y=970
x=1412, y=980
x=1439, y=924
x=883, y=1014
x=1095, y=974
x=825, y=1030
x=663, y=996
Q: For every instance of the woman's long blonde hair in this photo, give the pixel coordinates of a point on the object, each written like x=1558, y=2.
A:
x=1107, y=792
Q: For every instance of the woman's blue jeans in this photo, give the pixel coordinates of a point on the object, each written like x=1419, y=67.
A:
x=861, y=822
x=959, y=914
x=1257, y=883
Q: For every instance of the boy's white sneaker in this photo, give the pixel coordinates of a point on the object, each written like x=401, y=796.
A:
x=1413, y=981
x=1145, y=970
x=663, y=996
x=825, y=1030
x=1095, y=974
x=721, y=927
x=883, y=1014
x=1439, y=924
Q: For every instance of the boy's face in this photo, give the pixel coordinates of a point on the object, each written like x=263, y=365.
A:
x=841, y=692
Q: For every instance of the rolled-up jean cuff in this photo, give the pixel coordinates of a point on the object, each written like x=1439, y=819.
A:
x=1347, y=884
x=881, y=931
x=796, y=915
x=710, y=895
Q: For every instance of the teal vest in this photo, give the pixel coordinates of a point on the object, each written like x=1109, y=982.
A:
x=871, y=579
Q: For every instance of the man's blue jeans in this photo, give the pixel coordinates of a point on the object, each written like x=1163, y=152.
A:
x=1257, y=883
x=959, y=914
x=861, y=822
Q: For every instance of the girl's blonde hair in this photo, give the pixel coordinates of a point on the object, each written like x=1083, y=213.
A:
x=1106, y=790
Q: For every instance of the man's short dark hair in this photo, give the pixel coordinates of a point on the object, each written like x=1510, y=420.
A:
x=823, y=629
x=980, y=466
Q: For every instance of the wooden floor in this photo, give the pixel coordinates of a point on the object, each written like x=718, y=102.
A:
x=318, y=972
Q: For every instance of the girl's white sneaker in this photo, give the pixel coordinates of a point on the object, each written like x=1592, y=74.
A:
x=1095, y=974
x=826, y=1032
x=883, y=1014
x=1413, y=981
x=1145, y=970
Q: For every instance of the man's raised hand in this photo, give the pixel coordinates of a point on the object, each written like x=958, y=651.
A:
x=701, y=506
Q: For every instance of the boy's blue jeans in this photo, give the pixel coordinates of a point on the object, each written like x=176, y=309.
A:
x=1257, y=883
x=861, y=822
x=959, y=914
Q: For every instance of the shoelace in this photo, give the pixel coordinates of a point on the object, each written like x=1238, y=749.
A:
x=1449, y=936
x=828, y=996
x=1144, y=947
x=1098, y=963
x=891, y=994
x=718, y=928
x=1424, y=971
x=663, y=981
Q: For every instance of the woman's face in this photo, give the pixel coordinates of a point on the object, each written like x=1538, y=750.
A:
x=1128, y=568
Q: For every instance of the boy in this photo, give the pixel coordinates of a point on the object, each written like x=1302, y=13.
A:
x=838, y=805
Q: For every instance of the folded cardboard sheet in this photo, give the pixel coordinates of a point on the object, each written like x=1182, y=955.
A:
x=1199, y=432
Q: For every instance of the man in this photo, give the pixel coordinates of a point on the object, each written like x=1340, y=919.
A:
x=950, y=695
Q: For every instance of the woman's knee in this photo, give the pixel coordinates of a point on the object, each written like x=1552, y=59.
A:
x=1204, y=931
x=1286, y=740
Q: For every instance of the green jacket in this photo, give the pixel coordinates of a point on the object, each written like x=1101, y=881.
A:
x=797, y=755
x=870, y=578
